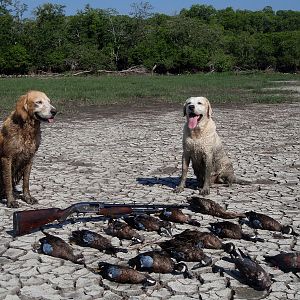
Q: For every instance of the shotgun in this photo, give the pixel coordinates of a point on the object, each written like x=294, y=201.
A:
x=29, y=220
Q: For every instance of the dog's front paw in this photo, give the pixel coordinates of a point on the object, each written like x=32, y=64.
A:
x=12, y=204
x=29, y=199
x=178, y=189
x=204, y=191
x=33, y=200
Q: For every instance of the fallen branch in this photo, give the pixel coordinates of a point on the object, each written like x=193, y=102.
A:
x=82, y=72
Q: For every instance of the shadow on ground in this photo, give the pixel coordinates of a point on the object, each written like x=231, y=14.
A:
x=169, y=181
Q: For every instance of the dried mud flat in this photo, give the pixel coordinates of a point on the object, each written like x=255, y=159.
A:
x=134, y=154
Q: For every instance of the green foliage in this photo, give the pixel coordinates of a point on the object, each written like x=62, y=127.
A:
x=287, y=47
x=265, y=52
x=47, y=38
x=197, y=39
x=15, y=60
x=222, y=62
x=242, y=48
x=203, y=12
x=6, y=26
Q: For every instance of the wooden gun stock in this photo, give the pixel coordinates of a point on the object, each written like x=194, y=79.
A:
x=28, y=220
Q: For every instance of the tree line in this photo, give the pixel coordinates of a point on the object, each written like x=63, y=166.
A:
x=198, y=39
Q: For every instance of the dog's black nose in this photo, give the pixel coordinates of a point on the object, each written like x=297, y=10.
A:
x=191, y=107
x=53, y=112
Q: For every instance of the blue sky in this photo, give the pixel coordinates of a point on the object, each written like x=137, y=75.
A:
x=170, y=7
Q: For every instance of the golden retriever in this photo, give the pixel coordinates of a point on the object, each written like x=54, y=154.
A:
x=20, y=138
x=202, y=146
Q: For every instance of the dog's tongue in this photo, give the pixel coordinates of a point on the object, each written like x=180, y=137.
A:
x=193, y=121
x=51, y=120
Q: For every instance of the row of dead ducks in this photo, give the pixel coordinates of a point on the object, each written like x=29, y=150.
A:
x=184, y=247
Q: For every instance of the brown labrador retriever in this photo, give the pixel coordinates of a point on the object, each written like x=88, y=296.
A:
x=20, y=138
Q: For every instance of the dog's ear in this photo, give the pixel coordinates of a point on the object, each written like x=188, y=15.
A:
x=209, y=109
x=22, y=108
x=184, y=110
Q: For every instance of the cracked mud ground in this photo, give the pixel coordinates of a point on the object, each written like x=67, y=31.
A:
x=116, y=155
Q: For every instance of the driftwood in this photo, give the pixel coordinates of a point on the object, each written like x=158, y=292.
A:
x=81, y=72
x=243, y=71
x=131, y=70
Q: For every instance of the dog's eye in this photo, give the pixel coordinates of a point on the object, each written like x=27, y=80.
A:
x=38, y=102
x=199, y=103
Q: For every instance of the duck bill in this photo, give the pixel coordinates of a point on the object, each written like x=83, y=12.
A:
x=166, y=232
x=197, y=266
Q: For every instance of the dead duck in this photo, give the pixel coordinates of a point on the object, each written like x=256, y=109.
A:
x=124, y=231
x=209, y=207
x=158, y=262
x=287, y=262
x=183, y=251
x=261, y=221
x=123, y=274
x=250, y=271
x=231, y=230
x=87, y=238
x=202, y=239
x=149, y=223
x=56, y=247
x=176, y=215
